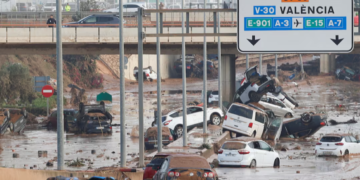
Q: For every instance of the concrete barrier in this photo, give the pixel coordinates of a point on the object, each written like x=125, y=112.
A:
x=18, y=34
x=41, y=34
x=2, y=34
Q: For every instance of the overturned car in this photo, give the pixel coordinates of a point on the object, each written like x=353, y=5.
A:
x=253, y=87
x=13, y=119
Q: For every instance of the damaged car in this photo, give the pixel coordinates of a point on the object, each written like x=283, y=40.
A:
x=304, y=126
x=247, y=120
x=4, y=120
x=273, y=128
x=289, y=101
x=151, y=140
x=174, y=119
x=253, y=87
x=346, y=73
x=18, y=119
x=184, y=167
x=278, y=107
x=92, y=119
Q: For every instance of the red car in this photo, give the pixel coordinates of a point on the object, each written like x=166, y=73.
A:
x=155, y=164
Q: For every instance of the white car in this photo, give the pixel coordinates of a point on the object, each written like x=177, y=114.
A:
x=174, y=119
x=337, y=145
x=213, y=96
x=51, y=7
x=253, y=87
x=148, y=73
x=248, y=152
x=283, y=97
x=246, y=120
x=278, y=107
x=131, y=8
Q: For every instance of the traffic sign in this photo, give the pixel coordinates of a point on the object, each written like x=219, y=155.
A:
x=47, y=91
x=295, y=26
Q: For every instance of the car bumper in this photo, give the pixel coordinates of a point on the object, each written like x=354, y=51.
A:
x=244, y=162
x=329, y=152
x=98, y=131
x=236, y=130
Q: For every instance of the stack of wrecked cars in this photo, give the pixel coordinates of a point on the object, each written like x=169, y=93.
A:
x=262, y=110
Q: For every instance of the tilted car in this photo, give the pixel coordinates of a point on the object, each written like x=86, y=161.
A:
x=278, y=107
x=174, y=119
x=289, y=101
x=151, y=137
x=148, y=74
x=304, y=126
x=337, y=145
x=213, y=96
x=185, y=167
x=346, y=73
x=273, y=127
x=69, y=117
x=245, y=120
x=4, y=120
x=253, y=87
x=248, y=152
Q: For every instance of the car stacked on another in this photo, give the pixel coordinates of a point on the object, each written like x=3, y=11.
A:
x=93, y=119
x=185, y=167
x=247, y=120
x=253, y=87
x=148, y=74
x=248, y=152
x=278, y=107
x=213, y=96
x=337, y=145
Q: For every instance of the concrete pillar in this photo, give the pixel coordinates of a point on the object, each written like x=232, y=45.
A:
x=327, y=63
x=228, y=75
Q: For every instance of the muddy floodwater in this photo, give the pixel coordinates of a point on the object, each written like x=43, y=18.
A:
x=320, y=93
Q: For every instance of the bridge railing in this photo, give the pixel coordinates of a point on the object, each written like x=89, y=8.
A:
x=106, y=35
x=170, y=19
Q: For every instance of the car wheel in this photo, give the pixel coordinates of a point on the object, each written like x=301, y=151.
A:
x=233, y=134
x=253, y=164
x=288, y=115
x=179, y=130
x=306, y=117
x=215, y=119
x=277, y=163
x=151, y=80
x=346, y=154
x=11, y=126
x=254, y=97
x=253, y=134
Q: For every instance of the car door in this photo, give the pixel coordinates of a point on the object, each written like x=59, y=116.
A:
x=195, y=115
x=103, y=20
x=274, y=106
x=349, y=144
x=259, y=154
x=268, y=153
x=355, y=145
x=259, y=124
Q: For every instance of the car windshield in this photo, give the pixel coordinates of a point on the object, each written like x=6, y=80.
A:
x=233, y=146
x=177, y=114
x=331, y=139
x=157, y=160
x=276, y=123
x=240, y=111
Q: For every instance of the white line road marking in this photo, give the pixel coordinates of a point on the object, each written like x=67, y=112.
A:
x=47, y=91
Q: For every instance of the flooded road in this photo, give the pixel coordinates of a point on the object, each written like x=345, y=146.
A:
x=323, y=91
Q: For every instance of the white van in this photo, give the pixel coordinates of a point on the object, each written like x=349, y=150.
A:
x=245, y=120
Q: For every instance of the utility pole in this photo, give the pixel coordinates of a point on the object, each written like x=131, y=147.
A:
x=183, y=56
x=159, y=111
x=122, y=88
x=205, y=75
x=60, y=96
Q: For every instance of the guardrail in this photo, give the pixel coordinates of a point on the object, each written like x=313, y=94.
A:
x=110, y=34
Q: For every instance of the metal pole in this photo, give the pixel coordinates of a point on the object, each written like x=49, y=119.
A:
x=141, y=89
x=184, y=77
x=247, y=61
x=122, y=88
x=302, y=64
x=260, y=64
x=276, y=65
x=205, y=76
x=158, y=48
x=219, y=60
x=78, y=5
x=47, y=106
x=60, y=103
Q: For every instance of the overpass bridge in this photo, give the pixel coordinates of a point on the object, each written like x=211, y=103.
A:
x=105, y=40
